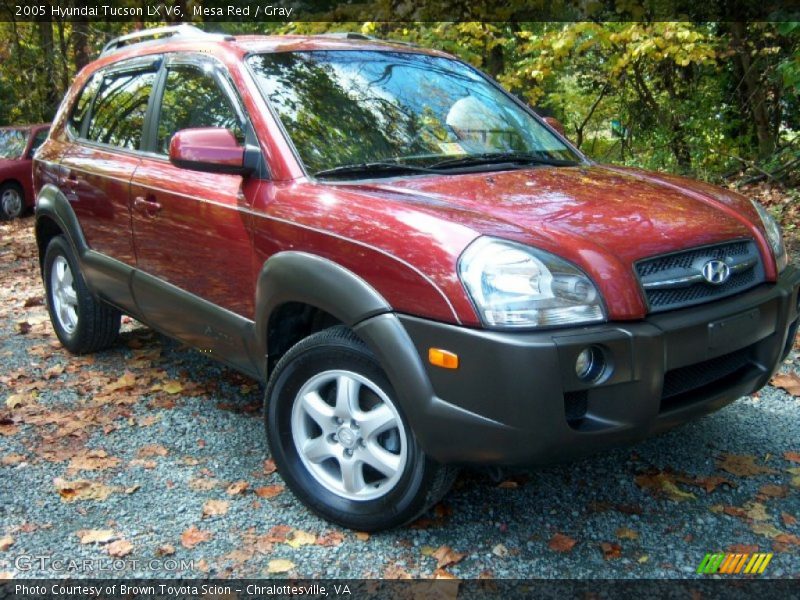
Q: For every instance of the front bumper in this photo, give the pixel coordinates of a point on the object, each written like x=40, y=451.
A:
x=515, y=398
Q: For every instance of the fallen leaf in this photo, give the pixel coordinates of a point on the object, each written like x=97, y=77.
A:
x=743, y=549
x=165, y=550
x=18, y=400
x=172, y=387
x=395, y=572
x=93, y=460
x=742, y=465
x=773, y=491
x=624, y=533
x=332, y=538
x=269, y=491
x=766, y=529
x=299, y=538
x=662, y=483
x=508, y=485
x=362, y=536
x=561, y=543
x=610, y=550
x=152, y=450
x=6, y=542
x=194, y=536
x=756, y=511
x=81, y=489
x=215, y=507
x=789, y=382
x=792, y=456
x=278, y=534
x=643, y=559
x=95, y=536
x=500, y=550
x=788, y=539
x=442, y=574
x=128, y=380
x=269, y=466
x=446, y=556
x=12, y=459
x=132, y=489
x=203, y=484
x=143, y=463
x=279, y=565
x=119, y=548
x=238, y=487
x=788, y=520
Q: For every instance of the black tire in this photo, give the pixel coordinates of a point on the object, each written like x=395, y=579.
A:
x=423, y=482
x=16, y=208
x=97, y=324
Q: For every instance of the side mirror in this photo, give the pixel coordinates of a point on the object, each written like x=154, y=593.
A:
x=211, y=149
x=555, y=124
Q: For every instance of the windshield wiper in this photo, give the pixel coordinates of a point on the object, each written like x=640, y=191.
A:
x=373, y=168
x=490, y=158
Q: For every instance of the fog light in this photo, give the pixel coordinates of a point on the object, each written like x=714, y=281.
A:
x=590, y=364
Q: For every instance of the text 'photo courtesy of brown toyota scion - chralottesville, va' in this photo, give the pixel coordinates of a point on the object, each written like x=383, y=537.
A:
x=424, y=272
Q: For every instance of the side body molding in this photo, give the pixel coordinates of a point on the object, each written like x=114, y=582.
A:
x=301, y=277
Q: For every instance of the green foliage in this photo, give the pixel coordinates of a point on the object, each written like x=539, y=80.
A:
x=699, y=98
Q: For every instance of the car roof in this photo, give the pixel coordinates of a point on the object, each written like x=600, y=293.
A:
x=243, y=45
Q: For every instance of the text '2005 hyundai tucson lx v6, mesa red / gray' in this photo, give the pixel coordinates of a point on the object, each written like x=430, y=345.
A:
x=425, y=273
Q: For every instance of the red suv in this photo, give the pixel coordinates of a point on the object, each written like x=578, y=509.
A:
x=17, y=147
x=424, y=272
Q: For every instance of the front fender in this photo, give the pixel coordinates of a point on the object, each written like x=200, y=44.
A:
x=309, y=279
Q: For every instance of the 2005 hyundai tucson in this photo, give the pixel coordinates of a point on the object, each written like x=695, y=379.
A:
x=425, y=273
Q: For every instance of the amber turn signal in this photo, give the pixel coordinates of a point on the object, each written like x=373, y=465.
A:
x=442, y=358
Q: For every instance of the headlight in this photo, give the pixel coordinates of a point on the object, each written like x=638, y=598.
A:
x=516, y=286
x=773, y=235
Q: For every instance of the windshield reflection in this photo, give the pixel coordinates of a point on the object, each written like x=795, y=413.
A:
x=347, y=107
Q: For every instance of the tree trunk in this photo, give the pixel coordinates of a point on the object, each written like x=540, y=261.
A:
x=49, y=93
x=80, y=41
x=754, y=91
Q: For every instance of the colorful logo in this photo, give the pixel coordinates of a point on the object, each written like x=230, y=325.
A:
x=730, y=564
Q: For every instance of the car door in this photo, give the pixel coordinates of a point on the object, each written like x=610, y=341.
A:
x=105, y=134
x=192, y=229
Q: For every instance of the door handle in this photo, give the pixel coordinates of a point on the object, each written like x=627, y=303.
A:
x=148, y=206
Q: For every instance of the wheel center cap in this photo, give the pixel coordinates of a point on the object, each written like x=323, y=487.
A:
x=347, y=437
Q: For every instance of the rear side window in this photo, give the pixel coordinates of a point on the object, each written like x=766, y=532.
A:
x=118, y=114
x=193, y=98
x=82, y=106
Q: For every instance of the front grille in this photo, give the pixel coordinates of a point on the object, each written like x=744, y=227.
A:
x=692, y=378
x=676, y=280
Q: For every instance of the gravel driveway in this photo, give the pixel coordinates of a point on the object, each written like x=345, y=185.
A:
x=150, y=458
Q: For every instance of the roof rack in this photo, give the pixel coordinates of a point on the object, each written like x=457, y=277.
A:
x=146, y=35
x=350, y=35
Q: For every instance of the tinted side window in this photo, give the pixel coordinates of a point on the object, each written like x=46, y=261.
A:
x=81, y=108
x=193, y=99
x=118, y=114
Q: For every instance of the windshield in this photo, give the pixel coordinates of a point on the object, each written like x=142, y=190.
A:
x=12, y=142
x=345, y=108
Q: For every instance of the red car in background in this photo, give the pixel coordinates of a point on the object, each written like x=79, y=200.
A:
x=17, y=147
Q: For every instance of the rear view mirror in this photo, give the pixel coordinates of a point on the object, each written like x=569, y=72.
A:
x=211, y=149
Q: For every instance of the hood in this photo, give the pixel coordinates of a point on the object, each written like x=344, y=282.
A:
x=602, y=218
x=629, y=213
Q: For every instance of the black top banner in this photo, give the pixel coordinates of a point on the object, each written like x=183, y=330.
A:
x=254, y=11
